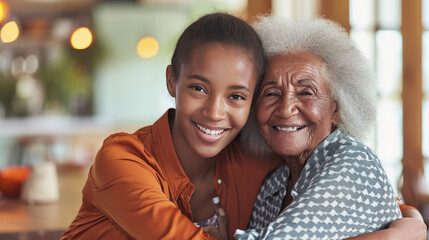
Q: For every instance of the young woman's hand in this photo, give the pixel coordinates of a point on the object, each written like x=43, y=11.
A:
x=220, y=232
x=411, y=226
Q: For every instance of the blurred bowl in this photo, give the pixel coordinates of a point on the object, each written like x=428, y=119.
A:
x=11, y=180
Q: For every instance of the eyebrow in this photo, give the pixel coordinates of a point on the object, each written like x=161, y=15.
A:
x=203, y=79
x=304, y=81
x=269, y=83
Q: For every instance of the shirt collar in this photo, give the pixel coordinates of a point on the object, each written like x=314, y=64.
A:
x=166, y=155
x=277, y=182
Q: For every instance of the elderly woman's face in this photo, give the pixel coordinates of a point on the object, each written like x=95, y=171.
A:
x=295, y=111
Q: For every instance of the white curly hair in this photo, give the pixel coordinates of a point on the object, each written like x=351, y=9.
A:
x=350, y=76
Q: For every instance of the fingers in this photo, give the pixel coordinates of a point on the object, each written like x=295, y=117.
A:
x=412, y=213
x=211, y=229
x=222, y=218
x=222, y=221
x=218, y=230
x=215, y=232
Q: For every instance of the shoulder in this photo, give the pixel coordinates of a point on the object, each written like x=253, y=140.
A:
x=124, y=144
x=343, y=156
x=345, y=159
x=343, y=146
x=122, y=155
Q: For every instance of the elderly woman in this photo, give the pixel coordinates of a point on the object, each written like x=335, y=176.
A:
x=315, y=103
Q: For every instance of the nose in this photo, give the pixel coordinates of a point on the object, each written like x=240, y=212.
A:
x=214, y=109
x=287, y=106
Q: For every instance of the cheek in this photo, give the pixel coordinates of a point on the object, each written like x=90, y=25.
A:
x=317, y=111
x=262, y=113
x=262, y=117
x=240, y=115
x=321, y=116
x=186, y=104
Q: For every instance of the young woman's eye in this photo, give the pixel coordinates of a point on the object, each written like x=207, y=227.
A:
x=197, y=88
x=238, y=97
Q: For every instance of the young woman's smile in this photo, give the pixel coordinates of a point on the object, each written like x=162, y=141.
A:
x=210, y=134
x=213, y=94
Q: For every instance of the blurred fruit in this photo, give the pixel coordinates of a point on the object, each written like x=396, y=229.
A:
x=11, y=180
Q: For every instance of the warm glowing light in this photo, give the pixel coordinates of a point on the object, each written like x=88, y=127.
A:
x=4, y=11
x=81, y=38
x=9, y=32
x=147, y=47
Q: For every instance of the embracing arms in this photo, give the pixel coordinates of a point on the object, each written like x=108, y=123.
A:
x=342, y=192
x=411, y=226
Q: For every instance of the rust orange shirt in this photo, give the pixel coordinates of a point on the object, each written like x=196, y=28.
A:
x=137, y=189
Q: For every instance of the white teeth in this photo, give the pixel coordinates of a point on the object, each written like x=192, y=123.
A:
x=287, y=129
x=210, y=132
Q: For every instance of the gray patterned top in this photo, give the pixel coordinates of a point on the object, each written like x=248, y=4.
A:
x=342, y=192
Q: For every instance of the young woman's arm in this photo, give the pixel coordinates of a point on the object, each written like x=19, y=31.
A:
x=134, y=196
x=411, y=226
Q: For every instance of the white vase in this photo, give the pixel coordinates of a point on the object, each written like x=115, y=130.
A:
x=42, y=185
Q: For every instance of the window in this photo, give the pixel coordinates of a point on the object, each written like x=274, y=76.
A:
x=375, y=27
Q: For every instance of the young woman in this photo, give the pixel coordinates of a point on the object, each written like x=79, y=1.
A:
x=158, y=181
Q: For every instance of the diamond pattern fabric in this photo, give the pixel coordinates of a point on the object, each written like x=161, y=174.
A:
x=342, y=192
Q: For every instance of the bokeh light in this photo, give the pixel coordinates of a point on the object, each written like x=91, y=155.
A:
x=17, y=67
x=25, y=86
x=4, y=11
x=9, y=32
x=31, y=64
x=147, y=47
x=81, y=38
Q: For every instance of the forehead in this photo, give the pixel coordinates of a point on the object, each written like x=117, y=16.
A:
x=297, y=62
x=217, y=52
x=220, y=64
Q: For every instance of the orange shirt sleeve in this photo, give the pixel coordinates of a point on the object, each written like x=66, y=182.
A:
x=405, y=207
x=130, y=192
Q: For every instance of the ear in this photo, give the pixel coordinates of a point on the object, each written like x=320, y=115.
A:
x=171, y=81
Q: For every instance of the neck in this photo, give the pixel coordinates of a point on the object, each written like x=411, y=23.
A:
x=195, y=166
x=295, y=164
x=198, y=168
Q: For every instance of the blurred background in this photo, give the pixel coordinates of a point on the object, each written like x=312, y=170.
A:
x=74, y=71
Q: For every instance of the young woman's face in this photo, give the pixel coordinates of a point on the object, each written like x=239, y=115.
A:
x=213, y=98
x=295, y=111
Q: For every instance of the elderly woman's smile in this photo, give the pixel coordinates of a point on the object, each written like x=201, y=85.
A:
x=295, y=110
x=289, y=129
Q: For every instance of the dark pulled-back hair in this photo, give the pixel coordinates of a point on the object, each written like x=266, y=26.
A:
x=218, y=28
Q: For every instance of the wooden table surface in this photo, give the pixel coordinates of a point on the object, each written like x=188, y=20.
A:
x=17, y=217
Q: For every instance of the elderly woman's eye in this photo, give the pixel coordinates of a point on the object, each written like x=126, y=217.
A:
x=271, y=93
x=306, y=93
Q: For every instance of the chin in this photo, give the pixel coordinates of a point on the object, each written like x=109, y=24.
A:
x=210, y=152
x=287, y=152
